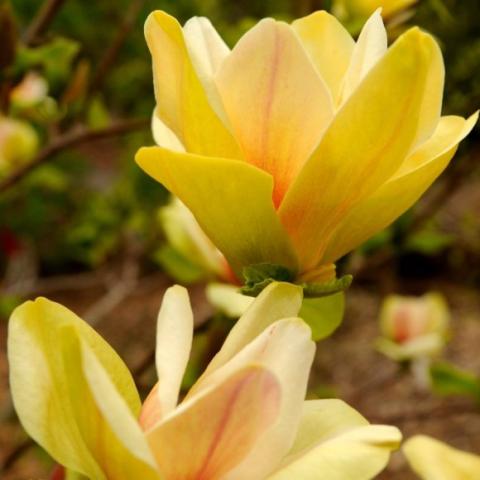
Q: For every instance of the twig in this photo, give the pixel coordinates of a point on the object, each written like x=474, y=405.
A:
x=71, y=139
x=111, y=53
x=15, y=454
x=42, y=20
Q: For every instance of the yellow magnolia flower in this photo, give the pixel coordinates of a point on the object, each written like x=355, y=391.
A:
x=18, y=144
x=434, y=460
x=299, y=144
x=245, y=418
x=364, y=8
x=413, y=327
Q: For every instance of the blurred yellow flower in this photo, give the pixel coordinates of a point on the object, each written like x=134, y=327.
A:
x=32, y=90
x=245, y=418
x=299, y=144
x=364, y=8
x=18, y=144
x=434, y=460
x=413, y=327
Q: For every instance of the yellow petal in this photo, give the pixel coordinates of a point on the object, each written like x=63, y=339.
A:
x=54, y=360
x=276, y=102
x=227, y=299
x=182, y=103
x=329, y=46
x=322, y=420
x=231, y=200
x=207, y=51
x=366, y=142
x=174, y=342
x=434, y=460
x=285, y=348
x=369, y=49
x=212, y=432
x=277, y=301
x=358, y=454
x=398, y=194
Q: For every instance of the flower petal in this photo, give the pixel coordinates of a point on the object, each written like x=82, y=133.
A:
x=227, y=299
x=164, y=137
x=174, y=342
x=366, y=142
x=434, y=460
x=329, y=46
x=322, y=420
x=286, y=349
x=182, y=103
x=398, y=194
x=276, y=102
x=358, y=454
x=369, y=49
x=277, y=301
x=231, y=201
x=211, y=433
x=51, y=374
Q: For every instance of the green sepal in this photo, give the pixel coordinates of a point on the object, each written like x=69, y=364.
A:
x=258, y=276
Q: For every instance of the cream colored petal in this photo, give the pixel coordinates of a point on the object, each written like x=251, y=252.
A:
x=434, y=460
x=232, y=202
x=277, y=301
x=182, y=103
x=329, y=46
x=164, y=137
x=286, y=349
x=276, y=102
x=207, y=51
x=174, y=342
x=210, y=434
x=367, y=141
x=228, y=299
x=358, y=454
x=369, y=49
x=398, y=194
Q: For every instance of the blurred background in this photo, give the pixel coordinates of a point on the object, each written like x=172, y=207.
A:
x=81, y=224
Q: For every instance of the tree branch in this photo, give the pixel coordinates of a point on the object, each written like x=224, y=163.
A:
x=71, y=139
x=42, y=20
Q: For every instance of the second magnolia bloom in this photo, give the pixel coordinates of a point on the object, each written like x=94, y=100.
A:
x=300, y=143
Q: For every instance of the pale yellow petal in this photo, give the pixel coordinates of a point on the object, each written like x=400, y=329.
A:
x=358, y=454
x=228, y=299
x=367, y=141
x=164, y=137
x=232, y=202
x=276, y=102
x=329, y=46
x=211, y=433
x=182, y=102
x=277, y=301
x=286, y=349
x=398, y=194
x=434, y=460
x=371, y=46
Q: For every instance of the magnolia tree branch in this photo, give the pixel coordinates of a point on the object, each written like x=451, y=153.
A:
x=71, y=139
x=42, y=20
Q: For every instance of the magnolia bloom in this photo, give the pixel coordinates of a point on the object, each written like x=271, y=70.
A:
x=364, y=8
x=434, y=460
x=299, y=144
x=413, y=327
x=245, y=418
x=32, y=90
x=18, y=144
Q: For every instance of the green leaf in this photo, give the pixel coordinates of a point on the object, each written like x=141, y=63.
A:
x=324, y=315
x=177, y=266
x=447, y=379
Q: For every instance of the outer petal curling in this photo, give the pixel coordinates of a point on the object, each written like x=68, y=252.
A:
x=379, y=120
x=269, y=88
x=240, y=220
x=398, y=194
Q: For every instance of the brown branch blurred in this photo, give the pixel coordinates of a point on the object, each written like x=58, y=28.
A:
x=71, y=139
x=108, y=59
x=42, y=20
